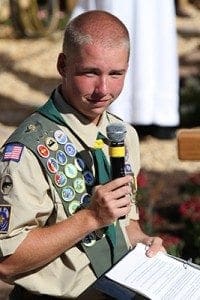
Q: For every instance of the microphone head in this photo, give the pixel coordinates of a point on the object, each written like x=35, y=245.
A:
x=116, y=132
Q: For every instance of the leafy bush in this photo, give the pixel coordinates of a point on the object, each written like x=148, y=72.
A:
x=181, y=238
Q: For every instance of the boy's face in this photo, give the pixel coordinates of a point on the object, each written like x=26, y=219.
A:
x=94, y=79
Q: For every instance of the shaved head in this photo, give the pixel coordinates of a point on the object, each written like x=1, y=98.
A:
x=97, y=28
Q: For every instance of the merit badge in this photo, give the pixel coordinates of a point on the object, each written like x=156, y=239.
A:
x=89, y=178
x=6, y=184
x=31, y=128
x=12, y=152
x=89, y=240
x=60, y=137
x=71, y=170
x=79, y=163
x=61, y=157
x=60, y=179
x=70, y=149
x=79, y=185
x=43, y=151
x=73, y=206
x=51, y=144
x=85, y=200
x=68, y=193
x=4, y=218
x=52, y=165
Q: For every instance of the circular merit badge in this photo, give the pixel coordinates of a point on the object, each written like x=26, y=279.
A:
x=79, y=163
x=68, y=193
x=89, y=178
x=60, y=137
x=51, y=144
x=43, y=151
x=79, y=185
x=70, y=149
x=89, y=240
x=60, y=179
x=85, y=200
x=73, y=206
x=61, y=157
x=52, y=165
x=71, y=170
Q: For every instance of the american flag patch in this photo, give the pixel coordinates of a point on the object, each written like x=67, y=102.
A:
x=12, y=152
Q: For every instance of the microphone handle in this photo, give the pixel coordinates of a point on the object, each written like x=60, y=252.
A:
x=117, y=161
x=117, y=167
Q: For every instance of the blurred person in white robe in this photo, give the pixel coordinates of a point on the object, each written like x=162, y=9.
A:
x=150, y=98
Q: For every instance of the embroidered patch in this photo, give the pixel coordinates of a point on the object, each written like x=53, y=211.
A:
x=43, y=151
x=52, y=165
x=73, y=206
x=60, y=179
x=68, y=193
x=89, y=240
x=6, y=184
x=70, y=149
x=4, y=218
x=12, y=152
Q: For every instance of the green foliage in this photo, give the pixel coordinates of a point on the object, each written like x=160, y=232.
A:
x=184, y=239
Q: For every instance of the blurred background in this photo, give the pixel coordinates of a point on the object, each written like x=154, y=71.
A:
x=169, y=188
x=30, y=38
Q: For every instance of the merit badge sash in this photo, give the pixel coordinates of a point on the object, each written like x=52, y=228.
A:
x=73, y=181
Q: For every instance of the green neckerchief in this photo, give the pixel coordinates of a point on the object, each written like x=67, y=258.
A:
x=101, y=164
x=100, y=160
x=50, y=111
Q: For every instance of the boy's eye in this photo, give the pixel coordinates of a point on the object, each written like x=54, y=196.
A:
x=116, y=74
x=90, y=74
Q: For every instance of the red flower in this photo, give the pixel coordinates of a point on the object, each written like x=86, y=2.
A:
x=142, y=180
x=190, y=209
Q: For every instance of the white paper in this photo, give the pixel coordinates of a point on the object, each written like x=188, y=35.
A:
x=161, y=277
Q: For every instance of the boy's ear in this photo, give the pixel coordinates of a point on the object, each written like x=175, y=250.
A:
x=61, y=64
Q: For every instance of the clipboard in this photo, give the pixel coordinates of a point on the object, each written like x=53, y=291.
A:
x=161, y=277
x=113, y=287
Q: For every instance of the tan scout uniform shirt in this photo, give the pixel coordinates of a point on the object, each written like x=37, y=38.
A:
x=35, y=202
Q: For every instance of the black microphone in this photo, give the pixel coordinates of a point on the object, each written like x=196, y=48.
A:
x=116, y=133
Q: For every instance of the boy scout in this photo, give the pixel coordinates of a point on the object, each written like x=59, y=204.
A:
x=60, y=211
